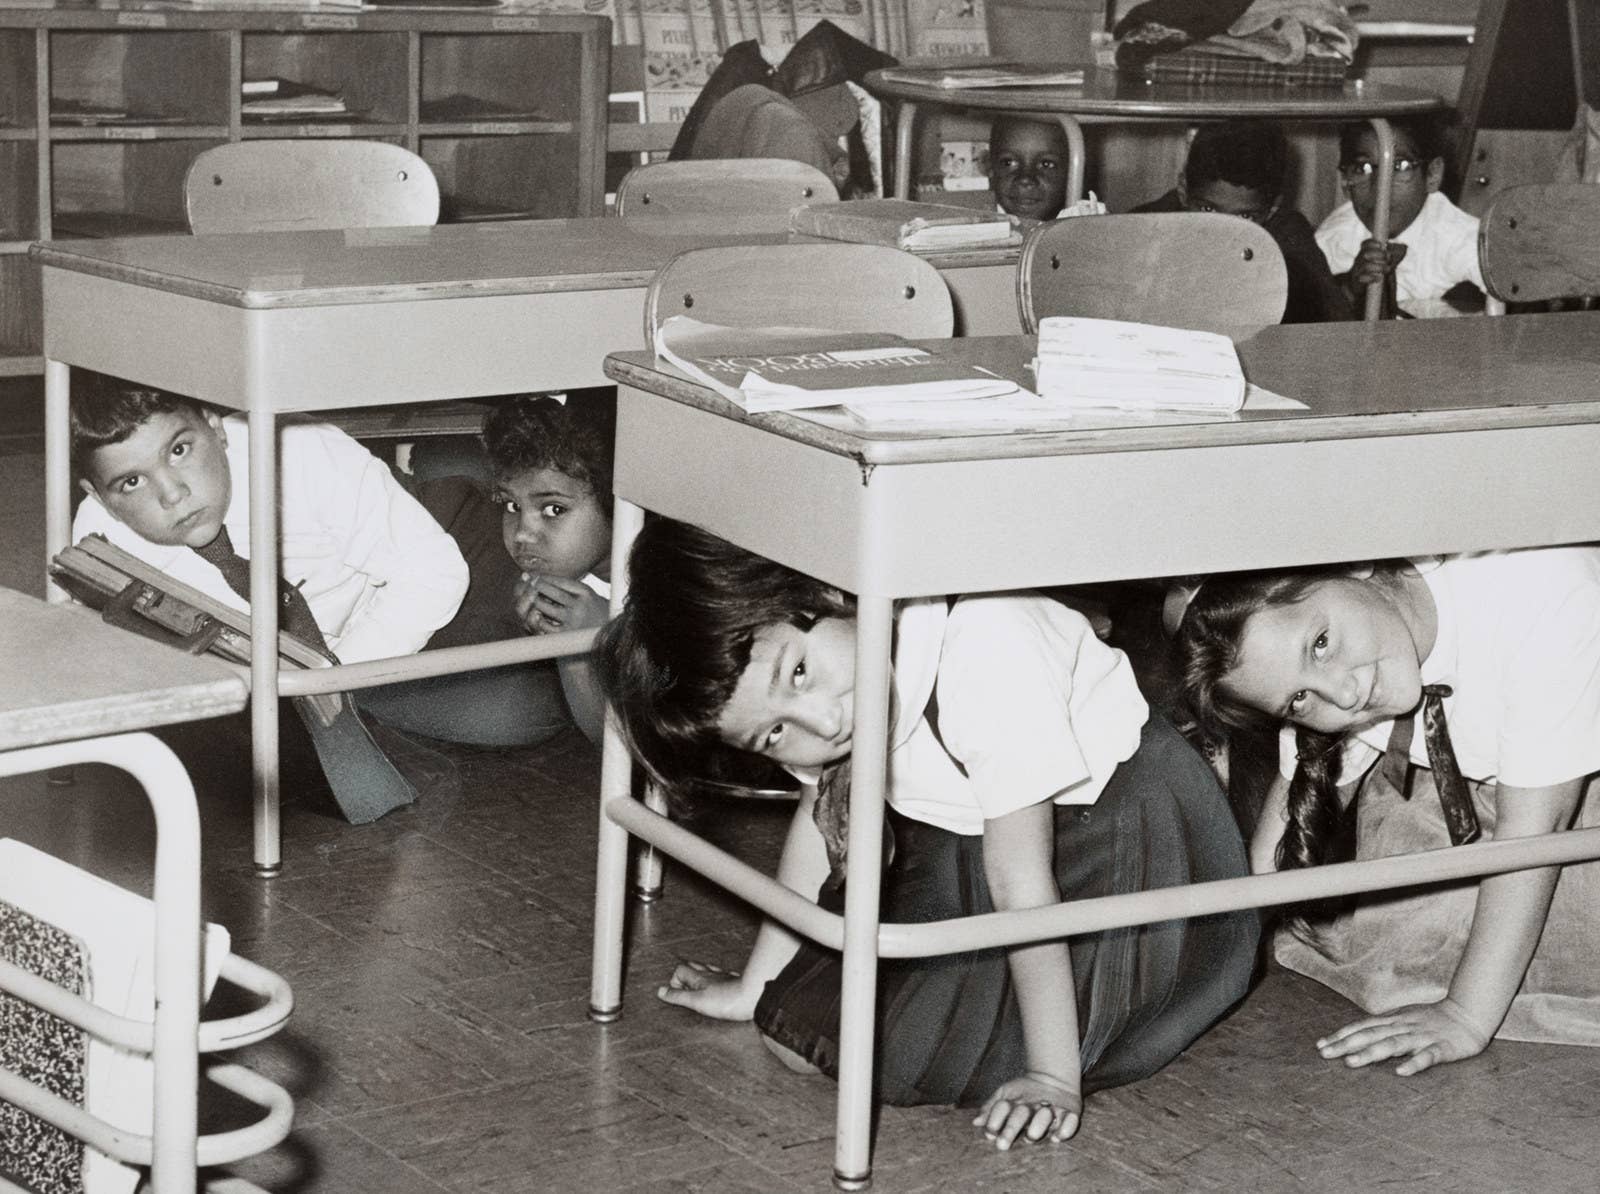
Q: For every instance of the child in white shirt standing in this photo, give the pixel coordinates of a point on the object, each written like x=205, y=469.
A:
x=1433, y=244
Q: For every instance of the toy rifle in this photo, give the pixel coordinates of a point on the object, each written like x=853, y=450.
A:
x=131, y=594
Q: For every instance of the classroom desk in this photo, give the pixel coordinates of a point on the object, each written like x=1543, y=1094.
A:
x=271, y=323
x=75, y=691
x=1410, y=426
x=1107, y=95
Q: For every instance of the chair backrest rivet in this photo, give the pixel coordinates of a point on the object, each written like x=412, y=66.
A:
x=1249, y=254
x=688, y=301
x=911, y=292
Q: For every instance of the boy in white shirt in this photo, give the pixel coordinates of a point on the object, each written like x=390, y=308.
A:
x=1433, y=244
x=377, y=572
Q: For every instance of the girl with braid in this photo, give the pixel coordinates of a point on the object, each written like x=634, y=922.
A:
x=1497, y=655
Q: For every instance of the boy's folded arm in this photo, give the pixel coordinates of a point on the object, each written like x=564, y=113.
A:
x=420, y=571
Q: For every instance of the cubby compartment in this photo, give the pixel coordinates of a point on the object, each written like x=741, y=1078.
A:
x=120, y=188
x=469, y=78
x=504, y=177
x=18, y=60
x=19, y=191
x=144, y=78
x=367, y=72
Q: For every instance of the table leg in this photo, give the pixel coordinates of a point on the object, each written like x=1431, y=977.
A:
x=852, y=1155
x=1380, y=211
x=904, y=123
x=616, y=782
x=1075, y=156
x=264, y=568
x=57, y=470
x=647, y=870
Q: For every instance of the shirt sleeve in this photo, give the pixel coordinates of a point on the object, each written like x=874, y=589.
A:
x=1005, y=705
x=419, y=573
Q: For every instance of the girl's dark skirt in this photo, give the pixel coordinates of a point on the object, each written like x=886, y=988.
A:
x=948, y=1028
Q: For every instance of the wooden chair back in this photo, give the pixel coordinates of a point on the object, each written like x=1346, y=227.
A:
x=1198, y=270
x=281, y=185
x=742, y=185
x=838, y=286
x=1541, y=242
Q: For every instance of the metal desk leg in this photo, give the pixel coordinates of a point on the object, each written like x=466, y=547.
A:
x=852, y=1155
x=1380, y=211
x=903, y=125
x=647, y=868
x=616, y=775
x=264, y=569
x=1075, y=156
x=57, y=470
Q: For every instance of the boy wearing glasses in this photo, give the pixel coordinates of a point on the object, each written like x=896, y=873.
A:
x=1433, y=244
x=1238, y=168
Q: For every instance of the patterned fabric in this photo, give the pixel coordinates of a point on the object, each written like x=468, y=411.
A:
x=1192, y=65
x=45, y=1050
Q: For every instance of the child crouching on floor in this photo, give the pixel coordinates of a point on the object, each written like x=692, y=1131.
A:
x=1025, y=769
x=538, y=546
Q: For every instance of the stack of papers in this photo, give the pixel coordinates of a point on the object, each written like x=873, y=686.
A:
x=1109, y=363
x=279, y=99
x=762, y=369
x=995, y=74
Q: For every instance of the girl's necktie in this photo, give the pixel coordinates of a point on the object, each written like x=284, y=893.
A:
x=1460, y=818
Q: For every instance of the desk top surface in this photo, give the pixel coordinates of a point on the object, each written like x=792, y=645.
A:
x=1398, y=377
x=68, y=675
x=1108, y=93
x=266, y=270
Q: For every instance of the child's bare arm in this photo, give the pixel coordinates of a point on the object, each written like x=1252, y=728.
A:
x=729, y=995
x=1018, y=859
x=1506, y=925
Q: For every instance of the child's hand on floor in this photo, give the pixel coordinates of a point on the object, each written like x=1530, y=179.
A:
x=547, y=604
x=711, y=991
x=1424, y=1034
x=1033, y=1107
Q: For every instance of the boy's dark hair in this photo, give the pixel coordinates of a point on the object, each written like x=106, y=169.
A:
x=1424, y=133
x=1245, y=153
x=107, y=410
x=1008, y=123
x=532, y=431
x=670, y=661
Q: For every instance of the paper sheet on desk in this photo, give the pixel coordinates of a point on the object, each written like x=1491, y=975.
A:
x=1258, y=398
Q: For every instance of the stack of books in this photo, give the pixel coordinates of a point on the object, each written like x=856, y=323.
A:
x=904, y=224
x=1117, y=365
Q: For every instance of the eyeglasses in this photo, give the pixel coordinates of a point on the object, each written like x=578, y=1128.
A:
x=1404, y=168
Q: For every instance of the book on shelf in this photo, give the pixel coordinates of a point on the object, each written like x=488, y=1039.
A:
x=992, y=74
x=1112, y=363
x=904, y=224
x=276, y=97
x=764, y=369
x=136, y=596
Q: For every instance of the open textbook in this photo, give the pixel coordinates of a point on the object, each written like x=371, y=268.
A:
x=761, y=369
